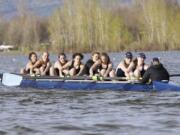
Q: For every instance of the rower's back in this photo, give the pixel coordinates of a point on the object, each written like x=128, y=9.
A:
x=156, y=72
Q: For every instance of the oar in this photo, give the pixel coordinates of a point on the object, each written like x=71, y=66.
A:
x=175, y=75
x=9, y=79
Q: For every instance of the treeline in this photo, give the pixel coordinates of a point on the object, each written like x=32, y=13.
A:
x=89, y=25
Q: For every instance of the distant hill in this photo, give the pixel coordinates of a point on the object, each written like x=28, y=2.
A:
x=8, y=8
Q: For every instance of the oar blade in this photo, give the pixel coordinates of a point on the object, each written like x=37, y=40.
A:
x=9, y=79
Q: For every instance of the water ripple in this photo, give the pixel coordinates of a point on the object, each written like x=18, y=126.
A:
x=39, y=112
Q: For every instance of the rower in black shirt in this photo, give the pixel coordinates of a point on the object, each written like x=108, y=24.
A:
x=139, y=66
x=95, y=58
x=104, y=66
x=156, y=72
x=75, y=65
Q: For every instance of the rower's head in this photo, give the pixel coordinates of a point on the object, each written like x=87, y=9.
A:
x=141, y=58
x=155, y=61
x=95, y=56
x=128, y=57
x=77, y=57
x=105, y=58
x=45, y=56
x=33, y=57
x=62, y=57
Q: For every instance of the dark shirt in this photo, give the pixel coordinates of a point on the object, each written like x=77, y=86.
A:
x=77, y=68
x=155, y=73
x=87, y=66
x=135, y=61
x=142, y=72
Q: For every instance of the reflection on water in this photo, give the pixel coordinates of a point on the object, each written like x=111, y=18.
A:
x=30, y=111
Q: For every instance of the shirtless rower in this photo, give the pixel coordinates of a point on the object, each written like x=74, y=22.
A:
x=43, y=64
x=124, y=69
x=57, y=69
x=29, y=66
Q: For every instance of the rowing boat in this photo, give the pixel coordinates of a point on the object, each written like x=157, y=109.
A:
x=83, y=84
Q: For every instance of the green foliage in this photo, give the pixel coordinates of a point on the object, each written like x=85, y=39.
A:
x=86, y=26
x=159, y=25
x=90, y=25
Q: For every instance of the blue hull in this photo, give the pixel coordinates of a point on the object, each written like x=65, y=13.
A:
x=101, y=85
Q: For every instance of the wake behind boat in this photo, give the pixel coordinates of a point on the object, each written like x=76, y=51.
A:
x=83, y=83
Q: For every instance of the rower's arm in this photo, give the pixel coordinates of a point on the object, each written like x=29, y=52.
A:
x=108, y=69
x=167, y=74
x=81, y=70
x=47, y=67
x=67, y=65
x=146, y=67
x=145, y=77
x=122, y=67
x=58, y=65
x=28, y=66
x=130, y=68
x=36, y=64
x=93, y=67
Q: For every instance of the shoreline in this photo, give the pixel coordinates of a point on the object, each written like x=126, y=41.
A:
x=17, y=52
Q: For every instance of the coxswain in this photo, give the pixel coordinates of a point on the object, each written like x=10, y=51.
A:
x=156, y=72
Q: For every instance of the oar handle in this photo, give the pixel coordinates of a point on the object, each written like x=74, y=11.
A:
x=175, y=75
x=1, y=75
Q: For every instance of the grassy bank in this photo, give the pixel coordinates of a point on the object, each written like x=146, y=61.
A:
x=87, y=25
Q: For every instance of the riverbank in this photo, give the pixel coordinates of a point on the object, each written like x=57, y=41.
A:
x=54, y=53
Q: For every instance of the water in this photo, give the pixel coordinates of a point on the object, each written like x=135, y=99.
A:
x=39, y=112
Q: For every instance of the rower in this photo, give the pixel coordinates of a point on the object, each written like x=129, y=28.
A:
x=75, y=66
x=43, y=64
x=138, y=65
x=156, y=72
x=124, y=69
x=95, y=59
x=29, y=66
x=104, y=66
x=57, y=69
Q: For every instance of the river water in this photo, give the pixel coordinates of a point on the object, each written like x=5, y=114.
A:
x=41, y=112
